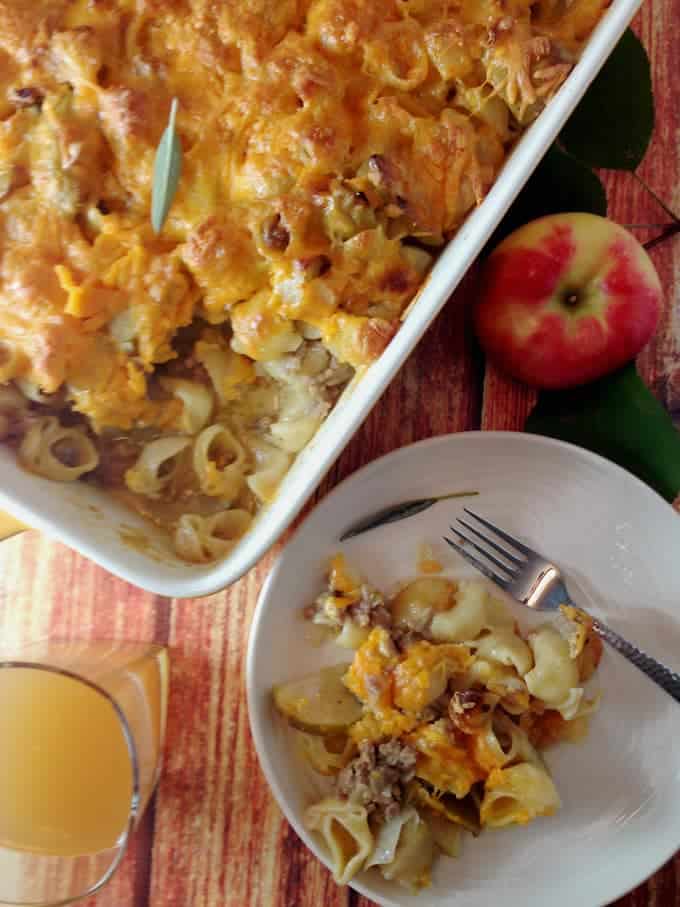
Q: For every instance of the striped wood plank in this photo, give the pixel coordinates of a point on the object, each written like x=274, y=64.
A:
x=214, y=837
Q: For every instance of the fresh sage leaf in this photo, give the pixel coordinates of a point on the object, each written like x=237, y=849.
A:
x=559, y=183
x=612, y=125
x=398, y=512
x=619, y=418
x=166, y=171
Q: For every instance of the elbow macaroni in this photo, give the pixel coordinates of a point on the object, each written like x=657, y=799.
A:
x=271, y=466
x=156, y=466
x=197, y=403
x=507, y=648
x=474, y=611
x=346, y=834
x=518, y=794
x=554, y=679
x=54, y=452
x=200, y=539
x=219, y=462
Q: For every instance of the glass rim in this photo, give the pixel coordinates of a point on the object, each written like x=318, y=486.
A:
x=135, y=798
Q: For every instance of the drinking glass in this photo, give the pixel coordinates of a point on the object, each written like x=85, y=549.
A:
x=81, y=734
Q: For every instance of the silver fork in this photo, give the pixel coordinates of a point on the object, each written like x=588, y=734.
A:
x=536, y=582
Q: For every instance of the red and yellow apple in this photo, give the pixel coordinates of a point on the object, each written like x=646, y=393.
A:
x=566, y=299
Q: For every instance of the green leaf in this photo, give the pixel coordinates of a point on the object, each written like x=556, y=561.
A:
x=166, y=172
x=560, y=183
x=619, y=418
x=612, y=125
x=398, y=512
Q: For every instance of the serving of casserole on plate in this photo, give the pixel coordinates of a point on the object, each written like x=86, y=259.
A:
x=436, y=727
x=610, y=816
x=330, y=151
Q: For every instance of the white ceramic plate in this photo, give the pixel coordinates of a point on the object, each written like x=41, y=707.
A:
x=619, y=544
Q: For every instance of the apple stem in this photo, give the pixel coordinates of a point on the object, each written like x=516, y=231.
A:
x=656, y=198
x=662, y=237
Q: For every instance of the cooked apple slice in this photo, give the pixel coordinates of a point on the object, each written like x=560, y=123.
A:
x=319, y=703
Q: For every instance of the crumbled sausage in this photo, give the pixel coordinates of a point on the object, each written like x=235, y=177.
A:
x=115, y=458
x=378, y=776
x=188, y=368
x=370, y=610
x=275, y=234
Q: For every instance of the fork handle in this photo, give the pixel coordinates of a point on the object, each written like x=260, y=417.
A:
x=659, y=673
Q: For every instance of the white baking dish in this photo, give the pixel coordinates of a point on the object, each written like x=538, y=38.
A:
x=95, y=525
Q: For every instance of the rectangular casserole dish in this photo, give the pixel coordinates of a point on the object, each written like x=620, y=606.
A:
x=94, y=524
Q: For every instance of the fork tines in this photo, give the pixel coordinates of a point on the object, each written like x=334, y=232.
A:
x=506, y=569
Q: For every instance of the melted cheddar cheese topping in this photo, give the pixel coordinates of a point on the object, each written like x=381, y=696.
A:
x=329, y=148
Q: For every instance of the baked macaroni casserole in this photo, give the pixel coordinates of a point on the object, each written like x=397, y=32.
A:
x=330, y=148
x=436, y=728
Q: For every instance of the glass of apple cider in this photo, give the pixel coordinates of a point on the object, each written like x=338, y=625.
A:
x=81, y=735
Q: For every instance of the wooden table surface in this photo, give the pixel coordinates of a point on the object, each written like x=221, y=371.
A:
x=214, y=836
